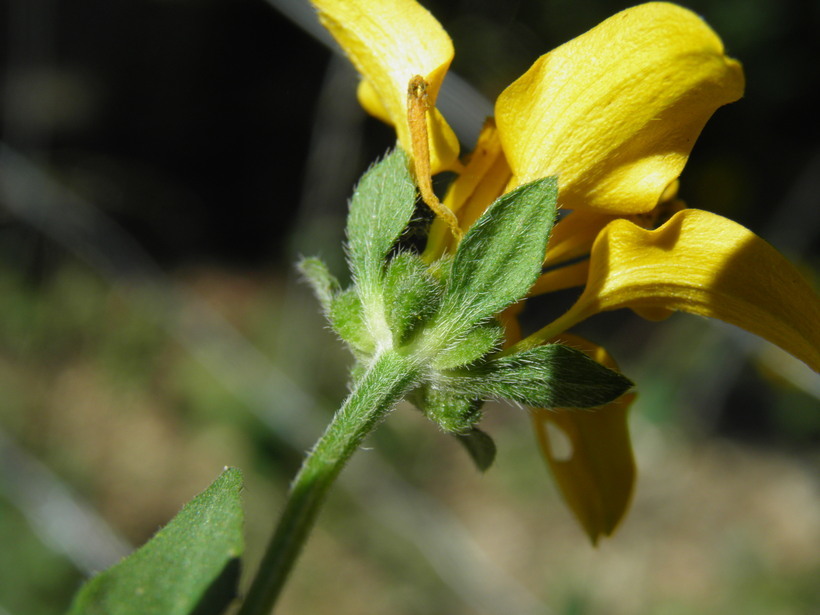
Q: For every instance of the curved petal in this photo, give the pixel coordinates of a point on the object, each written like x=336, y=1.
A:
x=701, y=263
x=561, y=278
x=615, y=112
x=590, y=454
x=390, y=42
x=573, y=235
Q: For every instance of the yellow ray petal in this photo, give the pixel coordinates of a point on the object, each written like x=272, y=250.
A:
x=568, y=276
x=700, y=263
x=573, y=235
x=615, y=112
x=509, y=320
x=390, y=42
x=590, y=454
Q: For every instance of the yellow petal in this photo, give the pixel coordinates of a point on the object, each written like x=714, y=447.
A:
x=590, y=454
x=571, y=239
x=369, y=99
x=509, y=320
x=615, y=112
x=700, y=263
x=390, y=42
x=568, y=276
x=573, y=235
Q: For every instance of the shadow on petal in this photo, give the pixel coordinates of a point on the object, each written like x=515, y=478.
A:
x=590, y=454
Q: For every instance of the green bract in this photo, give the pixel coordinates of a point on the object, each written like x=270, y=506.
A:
x=500, y=257
x=381, y=207
x=551, y=376
x=411, y=295
x=440, y=317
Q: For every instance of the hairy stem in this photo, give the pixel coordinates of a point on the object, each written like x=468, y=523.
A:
x=375, y=395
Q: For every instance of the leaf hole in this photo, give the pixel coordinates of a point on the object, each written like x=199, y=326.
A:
x=559, y=442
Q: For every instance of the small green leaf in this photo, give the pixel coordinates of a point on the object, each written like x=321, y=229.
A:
x=440, y=269
x=347, y=319
x=324, y=284
x=381, y=207
x=454, y=412
x=480, y=446
x=189, y=566
x=411, y=295
x=551, y=376
x=501, y=255
x=475, y=345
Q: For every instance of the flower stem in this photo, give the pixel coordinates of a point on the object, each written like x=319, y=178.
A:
x=374, y=396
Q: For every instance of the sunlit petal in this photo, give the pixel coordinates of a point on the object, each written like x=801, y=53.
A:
x=615, y=112
x=705, y=264
x=590, y=454
x=390, y=42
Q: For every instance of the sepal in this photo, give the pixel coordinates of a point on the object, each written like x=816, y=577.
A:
x=347, y=318
x=455, y=413
x=480, y=446
x=324, y=284
x=380, y=210
x=500, y=257
x=548, y=376
x=411, y=295
x=475, y=345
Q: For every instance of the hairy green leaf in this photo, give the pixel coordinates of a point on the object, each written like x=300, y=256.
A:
x=191, y=566
x=551, y=376
x=501, y=255
x=411, y=295
x=323, y=283
x=480, y=446
x=473, y=346
x=347, y=319
x=455, y=412
x=381, y=207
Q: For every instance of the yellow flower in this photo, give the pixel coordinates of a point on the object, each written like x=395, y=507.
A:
x=614, y=114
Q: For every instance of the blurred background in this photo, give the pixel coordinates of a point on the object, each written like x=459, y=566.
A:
x=165, y=162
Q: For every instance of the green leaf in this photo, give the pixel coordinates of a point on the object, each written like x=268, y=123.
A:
x=381, y=208
x=455, y=412
x=348, y=320
x=473, y=346
x=324, y=284
x=191, y=566
x=551, y=376
x=480, y=446
x=411, y=295
x=501, y=255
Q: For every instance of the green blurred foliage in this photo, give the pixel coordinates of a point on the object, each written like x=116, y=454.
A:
x=35, y=578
